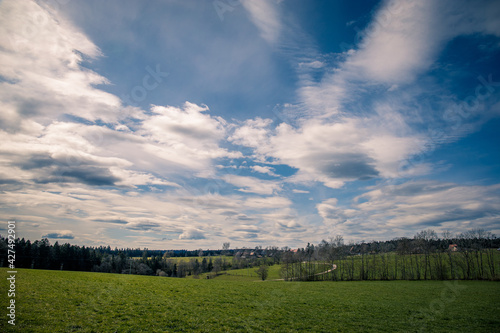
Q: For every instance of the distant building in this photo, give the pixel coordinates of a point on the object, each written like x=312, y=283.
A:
x=453, y=247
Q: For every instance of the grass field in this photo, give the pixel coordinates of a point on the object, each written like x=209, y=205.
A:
x=62, y=301
x=245, y=274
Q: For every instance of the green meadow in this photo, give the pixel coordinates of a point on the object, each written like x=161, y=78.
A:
x=244, y=274
x=64, y=301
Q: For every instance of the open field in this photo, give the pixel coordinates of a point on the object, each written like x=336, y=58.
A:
x=245, y=274
x=62, y=301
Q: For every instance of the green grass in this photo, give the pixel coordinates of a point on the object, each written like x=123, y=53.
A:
x=248, y=274
x=61, y=301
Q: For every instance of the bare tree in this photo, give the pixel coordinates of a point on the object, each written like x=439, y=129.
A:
x=424, y=240
x=447, y=235
x=490, y=254
x=402, y=250
x=465, y=248
x=225, y=248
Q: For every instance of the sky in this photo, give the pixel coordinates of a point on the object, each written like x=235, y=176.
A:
x=185, y=124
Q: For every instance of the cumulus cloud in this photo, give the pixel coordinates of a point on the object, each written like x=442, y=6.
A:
x=192, y=234
x=185, y=137
x=44, y=80
x=189, y=125
x=264, y=169
x=253, y=133
x=332, y=152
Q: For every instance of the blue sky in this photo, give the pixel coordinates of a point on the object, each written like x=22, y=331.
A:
x=186, y=124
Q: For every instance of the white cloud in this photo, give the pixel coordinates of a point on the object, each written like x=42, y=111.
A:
x=265, y=16
x=41, y=55
x=264, y=169
x=253, y=133
x=43, y=79
x=389, y=211
x=95, y=214
x=332, y=152
x=132, y=178
x=54, y=168
x=405, y=37
x=184, y=137
x=192, y=234
x=357, y=123
x=341, y=139
x=399, y=46
x=400, y=42
x=252, y=184
x=189, y=126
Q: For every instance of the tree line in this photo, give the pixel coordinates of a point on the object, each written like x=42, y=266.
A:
x=41, y=254
x=469, y=255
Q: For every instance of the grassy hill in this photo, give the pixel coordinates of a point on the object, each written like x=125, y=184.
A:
x=62, y=301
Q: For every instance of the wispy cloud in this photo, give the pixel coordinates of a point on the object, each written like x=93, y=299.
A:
x=405, y=37
x=252, y=184
x=342, y=139
x=42, y=74
x=265, y=16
